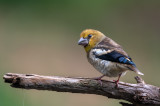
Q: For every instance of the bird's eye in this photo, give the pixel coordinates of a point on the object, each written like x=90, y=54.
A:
x=89, y=36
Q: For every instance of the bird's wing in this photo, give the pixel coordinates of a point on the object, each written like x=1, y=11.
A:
x=109, y=50
x=112, y=55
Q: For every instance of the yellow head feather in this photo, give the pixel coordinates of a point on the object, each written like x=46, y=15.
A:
x=97, y=37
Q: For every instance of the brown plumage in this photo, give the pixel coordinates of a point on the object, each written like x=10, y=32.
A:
x=106, y=55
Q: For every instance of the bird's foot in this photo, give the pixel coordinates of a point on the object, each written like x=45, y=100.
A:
x=116, y=82
x=99, y=79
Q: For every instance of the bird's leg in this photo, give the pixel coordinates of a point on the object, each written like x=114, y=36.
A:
x=118, y=80
x=99, y=79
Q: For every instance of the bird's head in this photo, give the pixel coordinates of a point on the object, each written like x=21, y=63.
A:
x=89, y=38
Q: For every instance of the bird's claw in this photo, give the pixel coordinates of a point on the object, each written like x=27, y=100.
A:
x=99, y=79
x=116, y=82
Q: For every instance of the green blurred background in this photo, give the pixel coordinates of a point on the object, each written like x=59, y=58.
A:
x=40, y=37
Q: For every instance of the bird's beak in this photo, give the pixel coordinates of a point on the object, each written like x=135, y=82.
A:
x=83, y=41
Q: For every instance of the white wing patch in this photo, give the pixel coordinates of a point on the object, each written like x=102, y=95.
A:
x=101, y=51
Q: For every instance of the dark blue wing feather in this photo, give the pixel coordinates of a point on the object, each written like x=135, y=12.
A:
x=125, y=61
x=116, y=57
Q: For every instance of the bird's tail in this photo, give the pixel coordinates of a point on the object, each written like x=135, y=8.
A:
x=135, y=70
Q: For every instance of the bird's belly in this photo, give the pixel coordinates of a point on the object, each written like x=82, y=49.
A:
x=108, y=68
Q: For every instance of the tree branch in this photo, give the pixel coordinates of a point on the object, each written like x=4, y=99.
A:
x=140, y=93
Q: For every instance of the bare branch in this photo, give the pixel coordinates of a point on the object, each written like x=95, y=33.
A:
x=140, y=93
x=139, y=80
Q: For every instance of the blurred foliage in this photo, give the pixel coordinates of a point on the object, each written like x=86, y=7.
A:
x=40, y=36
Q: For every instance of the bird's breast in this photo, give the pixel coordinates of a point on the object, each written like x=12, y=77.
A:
x=108, y=68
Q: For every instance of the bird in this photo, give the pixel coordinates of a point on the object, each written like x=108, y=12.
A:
x=106, y=56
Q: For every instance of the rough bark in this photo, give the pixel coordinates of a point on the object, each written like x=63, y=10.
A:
x=139, y=93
